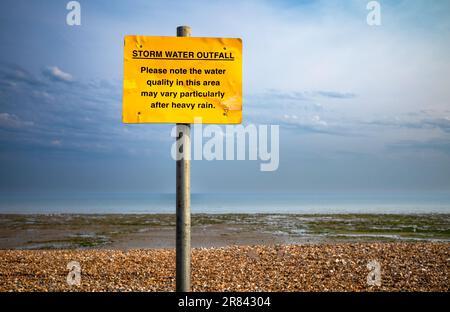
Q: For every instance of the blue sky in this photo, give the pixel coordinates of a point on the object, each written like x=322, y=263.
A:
x=359, y=107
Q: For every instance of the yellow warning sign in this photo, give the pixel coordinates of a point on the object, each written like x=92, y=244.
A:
x=182, y=80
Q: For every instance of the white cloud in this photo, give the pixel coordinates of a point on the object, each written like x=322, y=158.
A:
x=313, y=122
x=56, y=142
x=12, y=121
x=55, y=73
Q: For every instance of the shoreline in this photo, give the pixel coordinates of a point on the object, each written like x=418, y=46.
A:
x=157, y=231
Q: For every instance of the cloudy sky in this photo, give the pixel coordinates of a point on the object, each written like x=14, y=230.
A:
x=359, y=107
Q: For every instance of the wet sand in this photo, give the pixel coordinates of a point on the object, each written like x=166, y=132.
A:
x=158, y=231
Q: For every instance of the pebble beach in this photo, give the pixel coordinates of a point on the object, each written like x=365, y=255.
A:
x=309, y=267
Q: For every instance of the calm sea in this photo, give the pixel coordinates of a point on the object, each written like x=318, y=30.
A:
x=302, y=203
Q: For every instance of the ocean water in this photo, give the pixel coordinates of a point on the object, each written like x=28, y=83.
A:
x=298, y=203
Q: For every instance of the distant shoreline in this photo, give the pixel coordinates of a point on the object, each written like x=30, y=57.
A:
x=228, y=203
x=156, y=231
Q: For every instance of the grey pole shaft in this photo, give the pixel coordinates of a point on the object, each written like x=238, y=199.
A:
x=183, y=172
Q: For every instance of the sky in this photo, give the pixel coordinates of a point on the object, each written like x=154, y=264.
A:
x=359, y=107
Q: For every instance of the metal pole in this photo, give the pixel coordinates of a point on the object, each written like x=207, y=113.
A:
x=183, y=236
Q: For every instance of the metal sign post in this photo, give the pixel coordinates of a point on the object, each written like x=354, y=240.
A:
x=182, y=81
x=183, y=172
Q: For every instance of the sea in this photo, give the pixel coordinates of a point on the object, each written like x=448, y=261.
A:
x=225, y=203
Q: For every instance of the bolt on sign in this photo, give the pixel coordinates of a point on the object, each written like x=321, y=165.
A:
x=182, y=80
